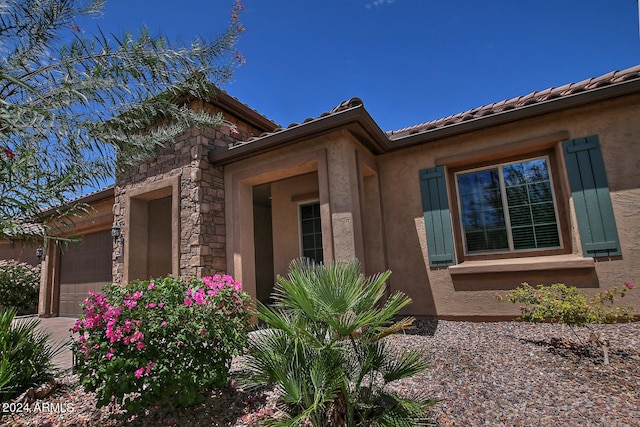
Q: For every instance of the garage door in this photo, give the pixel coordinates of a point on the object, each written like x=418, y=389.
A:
x=84, y=266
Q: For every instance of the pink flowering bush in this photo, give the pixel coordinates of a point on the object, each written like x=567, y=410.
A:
x=19, y=286
x=163, y=340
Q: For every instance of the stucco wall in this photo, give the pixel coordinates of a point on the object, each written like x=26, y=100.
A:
x=617, y=123
x=20, y=251
x=287, y=194
x=328, y=168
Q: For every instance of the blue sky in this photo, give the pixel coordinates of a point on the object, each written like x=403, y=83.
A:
x=410, y=61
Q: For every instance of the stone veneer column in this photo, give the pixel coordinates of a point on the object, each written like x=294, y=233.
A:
x=202, y=248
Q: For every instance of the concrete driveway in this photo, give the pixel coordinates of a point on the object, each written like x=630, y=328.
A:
x=58, y=327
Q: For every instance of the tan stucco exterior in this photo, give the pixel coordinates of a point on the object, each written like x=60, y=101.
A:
x=334, y=169
x=471, y=293
x=229, y=201
x=371, y=208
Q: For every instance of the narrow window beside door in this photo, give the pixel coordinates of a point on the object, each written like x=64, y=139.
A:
x=311, y=231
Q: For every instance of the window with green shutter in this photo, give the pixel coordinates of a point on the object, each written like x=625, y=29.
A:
x=437, y=218
x=516, y=207
x=591, y=198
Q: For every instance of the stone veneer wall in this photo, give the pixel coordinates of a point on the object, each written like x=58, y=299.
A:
x=202, y=223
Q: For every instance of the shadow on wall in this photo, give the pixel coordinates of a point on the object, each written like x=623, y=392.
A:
x=504, y=281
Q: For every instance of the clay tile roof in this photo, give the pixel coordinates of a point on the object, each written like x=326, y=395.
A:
x=522, y=101
x=343, y=106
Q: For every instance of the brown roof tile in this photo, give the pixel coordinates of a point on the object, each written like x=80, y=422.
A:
x=520, y=102
x=343, y=106
x=537, y=97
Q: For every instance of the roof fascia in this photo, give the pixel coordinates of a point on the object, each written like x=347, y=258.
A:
x=357, y=120
x=237, y=108
x=96, y=196
x=553, y=105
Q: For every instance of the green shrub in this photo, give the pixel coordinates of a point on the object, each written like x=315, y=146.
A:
x=324, y=349
x=19, y=286
x=568, y=305
x=163, y=340
x=558, y=303
x=26, y=357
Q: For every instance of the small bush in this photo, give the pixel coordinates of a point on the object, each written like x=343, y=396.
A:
x=568, y=305
x=26, y=356
x=558, y=303
x=19, y=286
x=163, y=340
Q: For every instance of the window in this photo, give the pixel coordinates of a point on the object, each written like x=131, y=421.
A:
x=517, y=208
x=311, y=231
x=508, y=207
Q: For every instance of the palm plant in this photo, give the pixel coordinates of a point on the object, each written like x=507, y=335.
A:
x=324, y=349
x=26, y=357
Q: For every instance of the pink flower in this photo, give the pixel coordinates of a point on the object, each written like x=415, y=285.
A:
x=151, y=305
x=163, y=323
x=128, y=325
x=140, y=345
x=151, y=285
x=628, y=285
x=109, y=356
x=188, y=302
x=139, y=372
x=160, y=305
x=147, y=369
x=203, y=331
x=129, y=303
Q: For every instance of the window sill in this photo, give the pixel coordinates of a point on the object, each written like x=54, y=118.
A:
x=539, y=263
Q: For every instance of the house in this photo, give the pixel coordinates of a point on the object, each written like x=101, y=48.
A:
x=543, y=188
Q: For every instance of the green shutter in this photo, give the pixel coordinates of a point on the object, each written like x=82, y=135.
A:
x=437, y=219
x=591, y=199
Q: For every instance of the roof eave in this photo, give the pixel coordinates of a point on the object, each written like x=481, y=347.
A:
x=88, y=199
x=237, y=108
x=569, y=101
x=357, y=120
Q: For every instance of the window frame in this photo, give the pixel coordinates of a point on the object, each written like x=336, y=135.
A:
x=560, y=199
x=300, y=233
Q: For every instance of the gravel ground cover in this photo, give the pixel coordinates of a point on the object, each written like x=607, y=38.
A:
x=485, y=374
